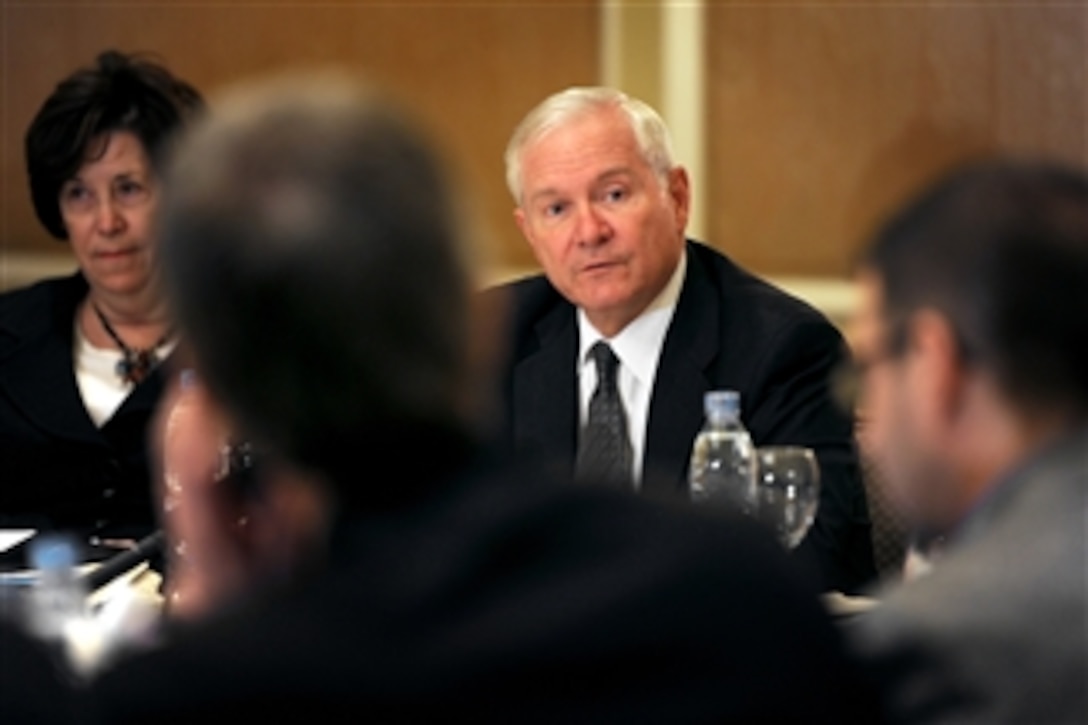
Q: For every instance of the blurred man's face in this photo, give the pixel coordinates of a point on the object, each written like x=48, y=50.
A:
x=895, y=406
x=605, y=227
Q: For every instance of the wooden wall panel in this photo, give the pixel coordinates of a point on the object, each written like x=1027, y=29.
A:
x=822, y=115
x=470, y=70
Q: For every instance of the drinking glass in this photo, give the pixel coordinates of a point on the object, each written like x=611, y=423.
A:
x=787, y=490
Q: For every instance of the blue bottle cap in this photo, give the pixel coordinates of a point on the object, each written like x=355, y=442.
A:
x=52, y=551
x=722, y=402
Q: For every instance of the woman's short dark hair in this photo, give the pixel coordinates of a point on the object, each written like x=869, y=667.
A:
x=120, y=92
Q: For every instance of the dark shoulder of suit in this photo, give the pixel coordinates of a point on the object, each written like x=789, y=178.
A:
x=508, y=597
x=35, y=684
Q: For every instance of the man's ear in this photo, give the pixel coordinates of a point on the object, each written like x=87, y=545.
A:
x=522, y=222
x=938, y=364
x=680, y=192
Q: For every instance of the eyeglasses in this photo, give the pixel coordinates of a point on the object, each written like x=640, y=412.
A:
x=846, y=379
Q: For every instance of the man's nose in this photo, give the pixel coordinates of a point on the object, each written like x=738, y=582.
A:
x=592, y=227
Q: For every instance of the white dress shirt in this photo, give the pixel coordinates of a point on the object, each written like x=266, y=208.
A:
x=102, y=389
x=638, y=348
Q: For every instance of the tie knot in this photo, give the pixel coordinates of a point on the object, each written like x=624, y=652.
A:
x=606, y=361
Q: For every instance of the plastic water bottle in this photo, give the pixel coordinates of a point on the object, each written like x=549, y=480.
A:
x=722, y=468
x=58, y=598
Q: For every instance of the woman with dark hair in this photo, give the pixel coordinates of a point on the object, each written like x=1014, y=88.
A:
x=80, y=355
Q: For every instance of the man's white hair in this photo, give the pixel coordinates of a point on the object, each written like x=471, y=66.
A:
x=651, y=133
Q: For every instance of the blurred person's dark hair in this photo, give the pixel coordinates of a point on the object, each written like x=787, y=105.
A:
x=1000, y=247
x=313, y=256
x=119, y=92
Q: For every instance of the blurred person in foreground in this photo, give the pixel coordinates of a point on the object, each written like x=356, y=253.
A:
x=79, y=355
x=382, y=564
x=972, y=346
x=604, y=207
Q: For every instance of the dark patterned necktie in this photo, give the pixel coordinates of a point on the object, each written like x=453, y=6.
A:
x=604, y=451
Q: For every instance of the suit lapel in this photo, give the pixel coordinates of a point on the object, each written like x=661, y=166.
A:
x=545, y=401
x=676, y=406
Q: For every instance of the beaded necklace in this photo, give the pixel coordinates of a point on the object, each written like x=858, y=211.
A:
x=135, y=364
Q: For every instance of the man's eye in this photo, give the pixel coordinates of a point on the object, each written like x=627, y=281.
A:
x=554, y=210
x=615, y=194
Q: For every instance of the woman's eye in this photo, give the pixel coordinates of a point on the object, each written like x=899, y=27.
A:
x=131, y=190
x=76, y=197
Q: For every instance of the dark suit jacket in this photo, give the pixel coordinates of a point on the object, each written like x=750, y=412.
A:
x=730, y=330
x=56, y=467
x=36, y=685
x=498, y=596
